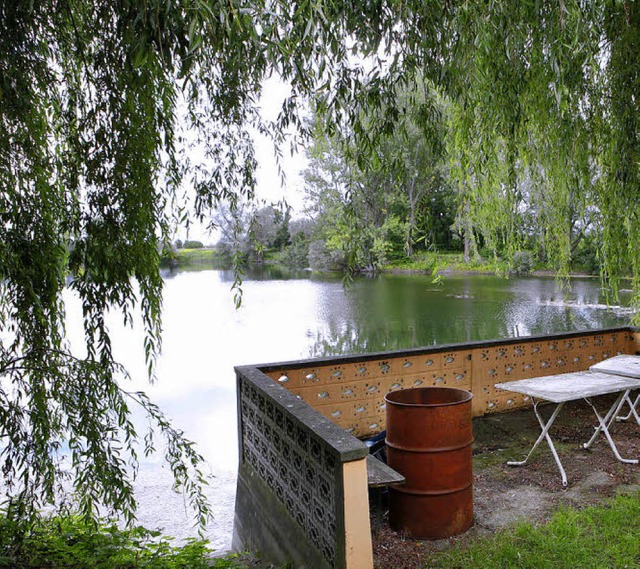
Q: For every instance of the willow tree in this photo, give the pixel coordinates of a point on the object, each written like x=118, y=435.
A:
x=103, y=108
x=538, y=93
x=95, y=97
x=547, y=93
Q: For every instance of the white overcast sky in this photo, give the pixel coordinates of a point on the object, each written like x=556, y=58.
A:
x=270, y=186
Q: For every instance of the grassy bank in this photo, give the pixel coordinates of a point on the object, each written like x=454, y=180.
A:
x=434, y=263
x=185, y=258
x=523, y=263
x=422, y=262
x=591, y=538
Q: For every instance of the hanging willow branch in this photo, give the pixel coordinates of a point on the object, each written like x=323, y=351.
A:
x=94, y=100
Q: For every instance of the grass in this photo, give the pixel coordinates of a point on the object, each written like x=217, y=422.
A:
x=69, y=543
x=595, y=537
x=198, y=257
x=591, y=538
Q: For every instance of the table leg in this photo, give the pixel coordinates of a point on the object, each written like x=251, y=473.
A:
x=605, y=423
x=603, y=426
x=544, y=435
x=632, y=411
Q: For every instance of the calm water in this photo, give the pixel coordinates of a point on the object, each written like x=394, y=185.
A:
x=286, y=316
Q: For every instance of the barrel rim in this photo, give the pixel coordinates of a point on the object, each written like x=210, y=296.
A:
x=468, y=396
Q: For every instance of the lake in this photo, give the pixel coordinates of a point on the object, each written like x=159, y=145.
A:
x=288, y=316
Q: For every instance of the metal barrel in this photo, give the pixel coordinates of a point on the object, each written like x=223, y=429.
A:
x=429, y=441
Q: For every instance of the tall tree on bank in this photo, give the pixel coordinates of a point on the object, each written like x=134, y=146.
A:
x=93, y=95
x=378, y=209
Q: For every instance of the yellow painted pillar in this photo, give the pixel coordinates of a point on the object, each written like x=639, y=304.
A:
x=357, y=526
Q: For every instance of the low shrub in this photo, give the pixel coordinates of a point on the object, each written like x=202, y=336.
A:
x=192, y=245
x=70, y=543
x=522, y=262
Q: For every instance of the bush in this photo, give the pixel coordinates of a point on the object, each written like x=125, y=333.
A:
x=522, y=262
x=585, y=257
x=380, y=253
x=297, y=253
x=169, y=256
x=395, y=237
x=321, y=258
x=193, y=245
x=70, y=543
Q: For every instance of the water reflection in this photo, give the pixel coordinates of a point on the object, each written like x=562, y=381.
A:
x=405, y=311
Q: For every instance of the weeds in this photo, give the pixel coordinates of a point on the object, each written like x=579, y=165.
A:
x=70, y=543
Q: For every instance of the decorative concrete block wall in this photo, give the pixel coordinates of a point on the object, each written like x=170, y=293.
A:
x=350, y=391
x=302, y=490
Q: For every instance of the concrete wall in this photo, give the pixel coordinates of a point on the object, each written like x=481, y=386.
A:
x=302, y=489
x=350, y=391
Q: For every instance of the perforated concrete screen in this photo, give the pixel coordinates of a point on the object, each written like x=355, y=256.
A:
x=302, y=483
x=350, y=392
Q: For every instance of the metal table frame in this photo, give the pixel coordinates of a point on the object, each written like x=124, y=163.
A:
x=626, y=366
x=632, y=405
x=560, y=389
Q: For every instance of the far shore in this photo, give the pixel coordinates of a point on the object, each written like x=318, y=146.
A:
x=434, y=264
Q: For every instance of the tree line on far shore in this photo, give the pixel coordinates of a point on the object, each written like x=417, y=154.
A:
x=406, y=203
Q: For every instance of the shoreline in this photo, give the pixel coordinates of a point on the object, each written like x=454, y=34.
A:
x=471, y=272
x=195, y=258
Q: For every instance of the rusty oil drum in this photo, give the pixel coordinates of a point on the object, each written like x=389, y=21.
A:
x=429, y=438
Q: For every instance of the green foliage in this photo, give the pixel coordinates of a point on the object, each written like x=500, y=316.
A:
x=522, y=262
x=253, y=230
x=585, y=257
x=190, y=244
x=377, y=209
x=434, y=262
x=594, y=537
x=297, y=253
x=546, y=116
x=394, y=237
x=187, y=257
x=281, y=218
x=108, y=110
x=321, y=258
x=169, y=256
x=70, y=543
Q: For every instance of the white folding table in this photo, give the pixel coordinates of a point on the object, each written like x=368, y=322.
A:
x=562, y=388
